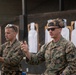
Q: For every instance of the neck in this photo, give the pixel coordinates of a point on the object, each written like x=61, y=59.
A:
x=12, y=41
x=57, y=38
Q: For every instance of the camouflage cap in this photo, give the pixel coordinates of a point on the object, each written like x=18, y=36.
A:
x=56, y=22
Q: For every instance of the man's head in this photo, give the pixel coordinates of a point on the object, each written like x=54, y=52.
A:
x=56, y=22
x=55, y=26
x=11, y=31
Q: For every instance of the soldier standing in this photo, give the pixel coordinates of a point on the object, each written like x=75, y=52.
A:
x=59, y=54
x=10, y=52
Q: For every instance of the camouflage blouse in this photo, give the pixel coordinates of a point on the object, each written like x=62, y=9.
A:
x=59, y=57
x=12, y=55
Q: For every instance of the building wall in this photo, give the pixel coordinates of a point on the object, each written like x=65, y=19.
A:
x=41, y=19
x=9, y=9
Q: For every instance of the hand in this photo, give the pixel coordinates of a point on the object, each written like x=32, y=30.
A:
x=24, y=46
x=1, y=59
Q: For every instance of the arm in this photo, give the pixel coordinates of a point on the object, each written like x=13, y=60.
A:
x=14, y=57
x=71, y=59
x=39, y=57
x=1, y=59
x=2, y=47
x=34, y=59
x=1, y=52
x=24, y=48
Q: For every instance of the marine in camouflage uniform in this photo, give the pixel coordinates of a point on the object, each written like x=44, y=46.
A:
x=12, y=56
x=59, y=54
x=59, y=57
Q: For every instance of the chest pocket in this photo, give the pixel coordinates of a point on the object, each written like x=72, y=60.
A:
x=59, y=57
x=7, y=52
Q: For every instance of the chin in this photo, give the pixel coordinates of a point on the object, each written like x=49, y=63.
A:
x=7, y=39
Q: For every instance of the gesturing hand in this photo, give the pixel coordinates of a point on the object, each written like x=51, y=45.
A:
x=24, y=46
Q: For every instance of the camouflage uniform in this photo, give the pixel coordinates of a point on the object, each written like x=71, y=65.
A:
x=12, y=55
x=59, y=57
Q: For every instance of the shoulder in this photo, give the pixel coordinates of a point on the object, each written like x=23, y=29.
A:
x=66, y=42
x=17, y=43
x=69, y=46
x=4, y=44
x=45, y=46
x=69, y=43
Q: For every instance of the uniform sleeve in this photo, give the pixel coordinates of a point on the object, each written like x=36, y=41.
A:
x=15, y=59
x=70, y=59
x=1, y=49
x=39, y=57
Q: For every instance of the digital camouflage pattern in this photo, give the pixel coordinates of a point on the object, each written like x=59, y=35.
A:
x=11, y=73
x=59, y=57
x=56, y=22
x=12, y=55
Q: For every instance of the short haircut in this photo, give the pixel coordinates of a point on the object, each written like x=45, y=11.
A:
x=14, y=27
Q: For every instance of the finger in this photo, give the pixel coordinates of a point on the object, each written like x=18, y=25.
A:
x=25, y=42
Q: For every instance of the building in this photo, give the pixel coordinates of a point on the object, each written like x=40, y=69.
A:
x=39, y=11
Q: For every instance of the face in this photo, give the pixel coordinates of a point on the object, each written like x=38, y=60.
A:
x=54, y=31
x=10, y=34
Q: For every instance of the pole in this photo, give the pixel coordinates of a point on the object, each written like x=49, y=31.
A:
x=24, y=13
x=61, y=5
x=23, y=31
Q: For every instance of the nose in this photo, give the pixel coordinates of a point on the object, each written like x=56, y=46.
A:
x=50, y=30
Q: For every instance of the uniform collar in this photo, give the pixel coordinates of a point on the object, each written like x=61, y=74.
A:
x=9, y=45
